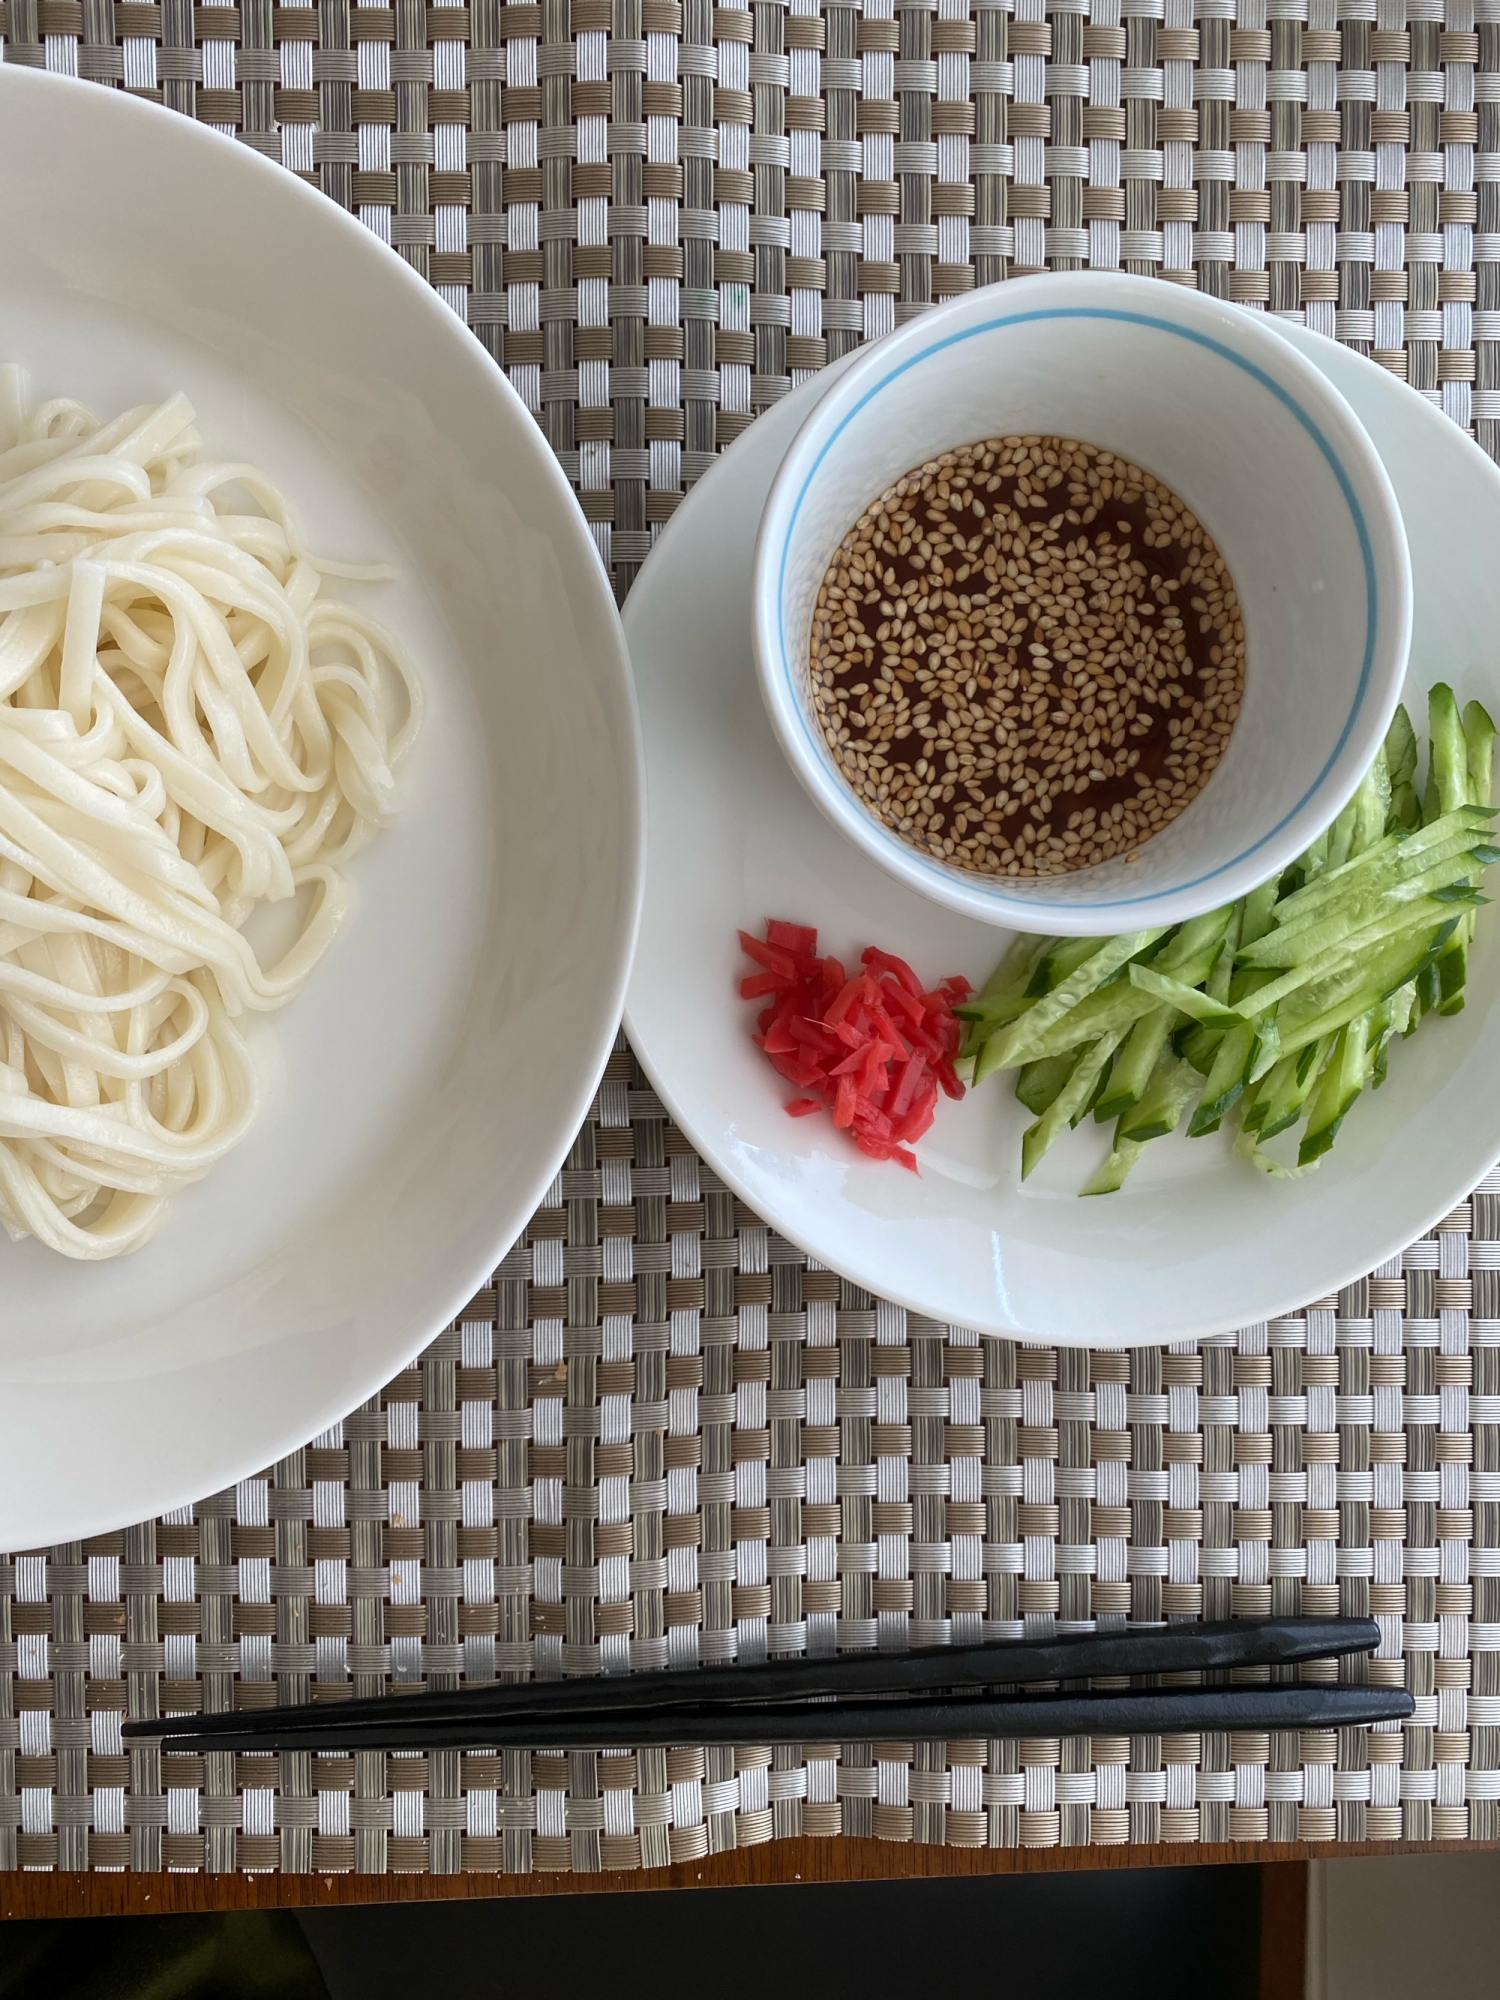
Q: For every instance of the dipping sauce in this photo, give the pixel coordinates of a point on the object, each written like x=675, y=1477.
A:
x=1027, y=656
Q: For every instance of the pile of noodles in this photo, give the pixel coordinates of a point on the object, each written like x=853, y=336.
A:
x=188, y=729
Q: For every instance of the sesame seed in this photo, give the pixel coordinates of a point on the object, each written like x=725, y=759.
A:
x=1033, y=663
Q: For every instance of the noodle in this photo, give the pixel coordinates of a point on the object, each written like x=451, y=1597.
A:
x=187, y=730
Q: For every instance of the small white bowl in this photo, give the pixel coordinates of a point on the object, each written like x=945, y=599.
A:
x=1250, y=436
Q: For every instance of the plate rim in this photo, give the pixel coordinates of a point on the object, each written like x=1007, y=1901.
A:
x=44, y=93
x=1442, y=428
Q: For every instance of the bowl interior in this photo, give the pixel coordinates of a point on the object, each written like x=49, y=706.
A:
x=1270, y=460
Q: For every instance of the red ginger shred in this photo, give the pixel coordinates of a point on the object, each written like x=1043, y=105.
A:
x=873, y=1050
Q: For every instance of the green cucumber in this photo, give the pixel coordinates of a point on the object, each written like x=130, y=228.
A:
x=1065, y=957
x=1174, y=1084
x=1447, y=754
x=1134, y=1063
x=1390, y=860
x=1257, y=914
x=1111, y=1176
x=1479, y=739
x=1200, y=1045
x=1216, y=986
x=1074, y=1096
x=1019, y=1041
x=1287, y=1088
x=1445, y=882
x=1186, y=999
x=1342, y=1081
x=1226, y=1080
x=1401, y=760
x=1372, y=803
x=1404, y=919
x=1038, y=1083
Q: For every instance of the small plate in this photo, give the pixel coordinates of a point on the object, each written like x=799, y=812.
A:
x=1198, y=1242
x=423, y=1090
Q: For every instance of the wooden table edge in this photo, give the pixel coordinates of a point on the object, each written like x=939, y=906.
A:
x=56, y=1893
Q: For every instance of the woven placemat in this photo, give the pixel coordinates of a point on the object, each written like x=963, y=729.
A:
x=665, y=1436
x=659, y=215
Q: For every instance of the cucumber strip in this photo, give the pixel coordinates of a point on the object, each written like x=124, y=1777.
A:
x=1135, y=1062
x=1372, y=804
x=1022, y=956
x=1379, y=1043
x=1447, y=754
x=1296, y=1077
x=1405, y=815
x=1479, y=745
x=1393, y=855
x=1017, y=1041
x=1371, y=892
x=1246, y=1148
x=1038, y=1083
x=1400, y=1005
x=1371, y=876
x=1340, y=843
x=1115, y=1007
x=1186, y=999
x=1259, y=906
x=1256, y=1101
x=1217, y=984
x=1479, y=738
x=1401, y=759
x=1173, y=1086
x=1074, y=1096
x=1009, y=979
x=1226, y=1080
x=1098, y=1091
x=1401, y=747
x=1200, y=1045
x=1199, y=940
x=1114, y=1011
x=1362, y=821
x=1373, y=986
x=1296, y=944
x=1313, y=860
x=1066, y=955
x=1375, y=975
x=1342, y=1081
x=1267, y=1052
x=1350, y=951
x=1453, y=976
x=979, y=1027
x=1112, y=1174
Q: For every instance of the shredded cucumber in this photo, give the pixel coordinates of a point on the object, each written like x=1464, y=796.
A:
x=1276, y=1011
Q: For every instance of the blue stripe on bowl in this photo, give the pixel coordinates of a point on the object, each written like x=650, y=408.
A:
x=1031, y=904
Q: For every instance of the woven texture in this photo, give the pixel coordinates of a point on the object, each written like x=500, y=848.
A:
x=660, y=214
x=664, y=1436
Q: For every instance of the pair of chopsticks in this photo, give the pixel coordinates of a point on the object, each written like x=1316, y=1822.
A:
x=924, y=1696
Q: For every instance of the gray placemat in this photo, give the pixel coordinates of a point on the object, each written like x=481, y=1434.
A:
x=664, y=1435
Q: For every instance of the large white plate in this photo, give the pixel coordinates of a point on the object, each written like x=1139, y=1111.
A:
x=1197, y=1243
x=425, y=1087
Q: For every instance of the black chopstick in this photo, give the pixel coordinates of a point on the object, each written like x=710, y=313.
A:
x=1133, y=1712
x=1066, y=1656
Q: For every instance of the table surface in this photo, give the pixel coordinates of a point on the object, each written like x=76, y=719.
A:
x=663, y=1435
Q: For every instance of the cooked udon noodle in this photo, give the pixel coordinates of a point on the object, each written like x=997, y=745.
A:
x=188, y=729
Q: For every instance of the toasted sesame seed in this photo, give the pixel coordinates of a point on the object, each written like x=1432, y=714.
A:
x=983, y=711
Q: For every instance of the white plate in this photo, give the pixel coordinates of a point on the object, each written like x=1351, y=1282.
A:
x=427, y=1084
x=1197, y=1242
